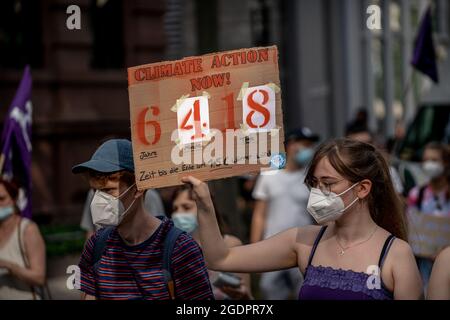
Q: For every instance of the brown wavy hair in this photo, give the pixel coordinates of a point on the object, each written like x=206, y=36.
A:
x=357, y=161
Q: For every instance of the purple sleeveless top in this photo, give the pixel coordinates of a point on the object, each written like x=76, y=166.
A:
x=326, y=283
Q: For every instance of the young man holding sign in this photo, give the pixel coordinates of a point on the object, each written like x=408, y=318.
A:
x=134, y=255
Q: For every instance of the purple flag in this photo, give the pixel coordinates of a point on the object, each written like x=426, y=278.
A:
x=15, y=157
x=424, y=56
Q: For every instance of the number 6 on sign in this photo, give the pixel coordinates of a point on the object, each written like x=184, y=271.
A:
x=193, y=119
x=258, y=108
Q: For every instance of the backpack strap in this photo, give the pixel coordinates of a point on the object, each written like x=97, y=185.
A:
x=169, y=244
x=100, y=245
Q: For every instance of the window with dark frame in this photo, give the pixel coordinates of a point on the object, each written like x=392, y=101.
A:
x=20, y=34
x=107, y=27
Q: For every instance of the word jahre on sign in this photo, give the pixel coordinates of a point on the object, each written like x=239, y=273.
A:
x=212, y=116
x=428, y=234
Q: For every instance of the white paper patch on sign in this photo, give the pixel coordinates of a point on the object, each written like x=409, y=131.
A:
x=193, y=119
x=258, y=108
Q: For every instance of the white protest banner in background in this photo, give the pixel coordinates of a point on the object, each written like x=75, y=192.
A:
x=428, y=234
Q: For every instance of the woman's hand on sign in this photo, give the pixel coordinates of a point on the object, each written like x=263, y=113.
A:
x=200, y=193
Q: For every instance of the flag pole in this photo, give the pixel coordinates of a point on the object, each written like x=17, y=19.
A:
x=2, y=155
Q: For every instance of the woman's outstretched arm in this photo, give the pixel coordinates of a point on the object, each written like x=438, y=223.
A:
x=275, y=253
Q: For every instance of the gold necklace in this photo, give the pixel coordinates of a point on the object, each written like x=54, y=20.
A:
x=357, y=244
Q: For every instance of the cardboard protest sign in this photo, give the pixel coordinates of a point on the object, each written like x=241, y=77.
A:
x=212, y=116
x=428, y=234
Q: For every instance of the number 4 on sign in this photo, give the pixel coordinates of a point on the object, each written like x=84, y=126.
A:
x=258, y=108
x=193, y=119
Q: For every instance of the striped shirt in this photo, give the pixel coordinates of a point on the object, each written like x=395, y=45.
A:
x=135, y=272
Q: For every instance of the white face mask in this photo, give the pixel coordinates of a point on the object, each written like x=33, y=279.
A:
x=185, y=221
x=432, y=169
x=108, y=210
x=327, y=208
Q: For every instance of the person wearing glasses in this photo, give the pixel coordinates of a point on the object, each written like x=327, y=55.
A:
x=358, y=251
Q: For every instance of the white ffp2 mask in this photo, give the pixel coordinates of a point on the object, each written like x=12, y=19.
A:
x=108, y=210
x=325, y=208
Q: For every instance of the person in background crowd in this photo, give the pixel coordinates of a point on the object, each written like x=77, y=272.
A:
x=439, y=285
x=281, y=201
x=152, y=202
x=22, y=249
x=359, y=131
x=432, y=198
x=360, y=120
x=359, y=251
x=184, y=216
x=130, y=263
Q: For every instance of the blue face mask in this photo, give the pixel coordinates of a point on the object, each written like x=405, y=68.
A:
x=185, y=221
x=5, y=212
x=304, y=156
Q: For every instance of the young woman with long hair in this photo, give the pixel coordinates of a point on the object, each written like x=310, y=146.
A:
x=357, y=252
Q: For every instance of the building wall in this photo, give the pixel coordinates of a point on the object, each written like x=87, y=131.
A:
x=77, y=106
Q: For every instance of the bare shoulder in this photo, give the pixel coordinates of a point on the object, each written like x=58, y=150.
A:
x=31, y=227
x=231, y=241
x=306, y=235
x=304, y=241
x=401, y=246
x=401, y=249
x=32, y=238
x=398, y=247
x=439, y=285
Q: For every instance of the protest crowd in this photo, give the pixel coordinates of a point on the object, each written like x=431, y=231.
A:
x=304, y=221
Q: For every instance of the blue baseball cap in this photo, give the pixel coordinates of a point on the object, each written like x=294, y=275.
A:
x=112, y=156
